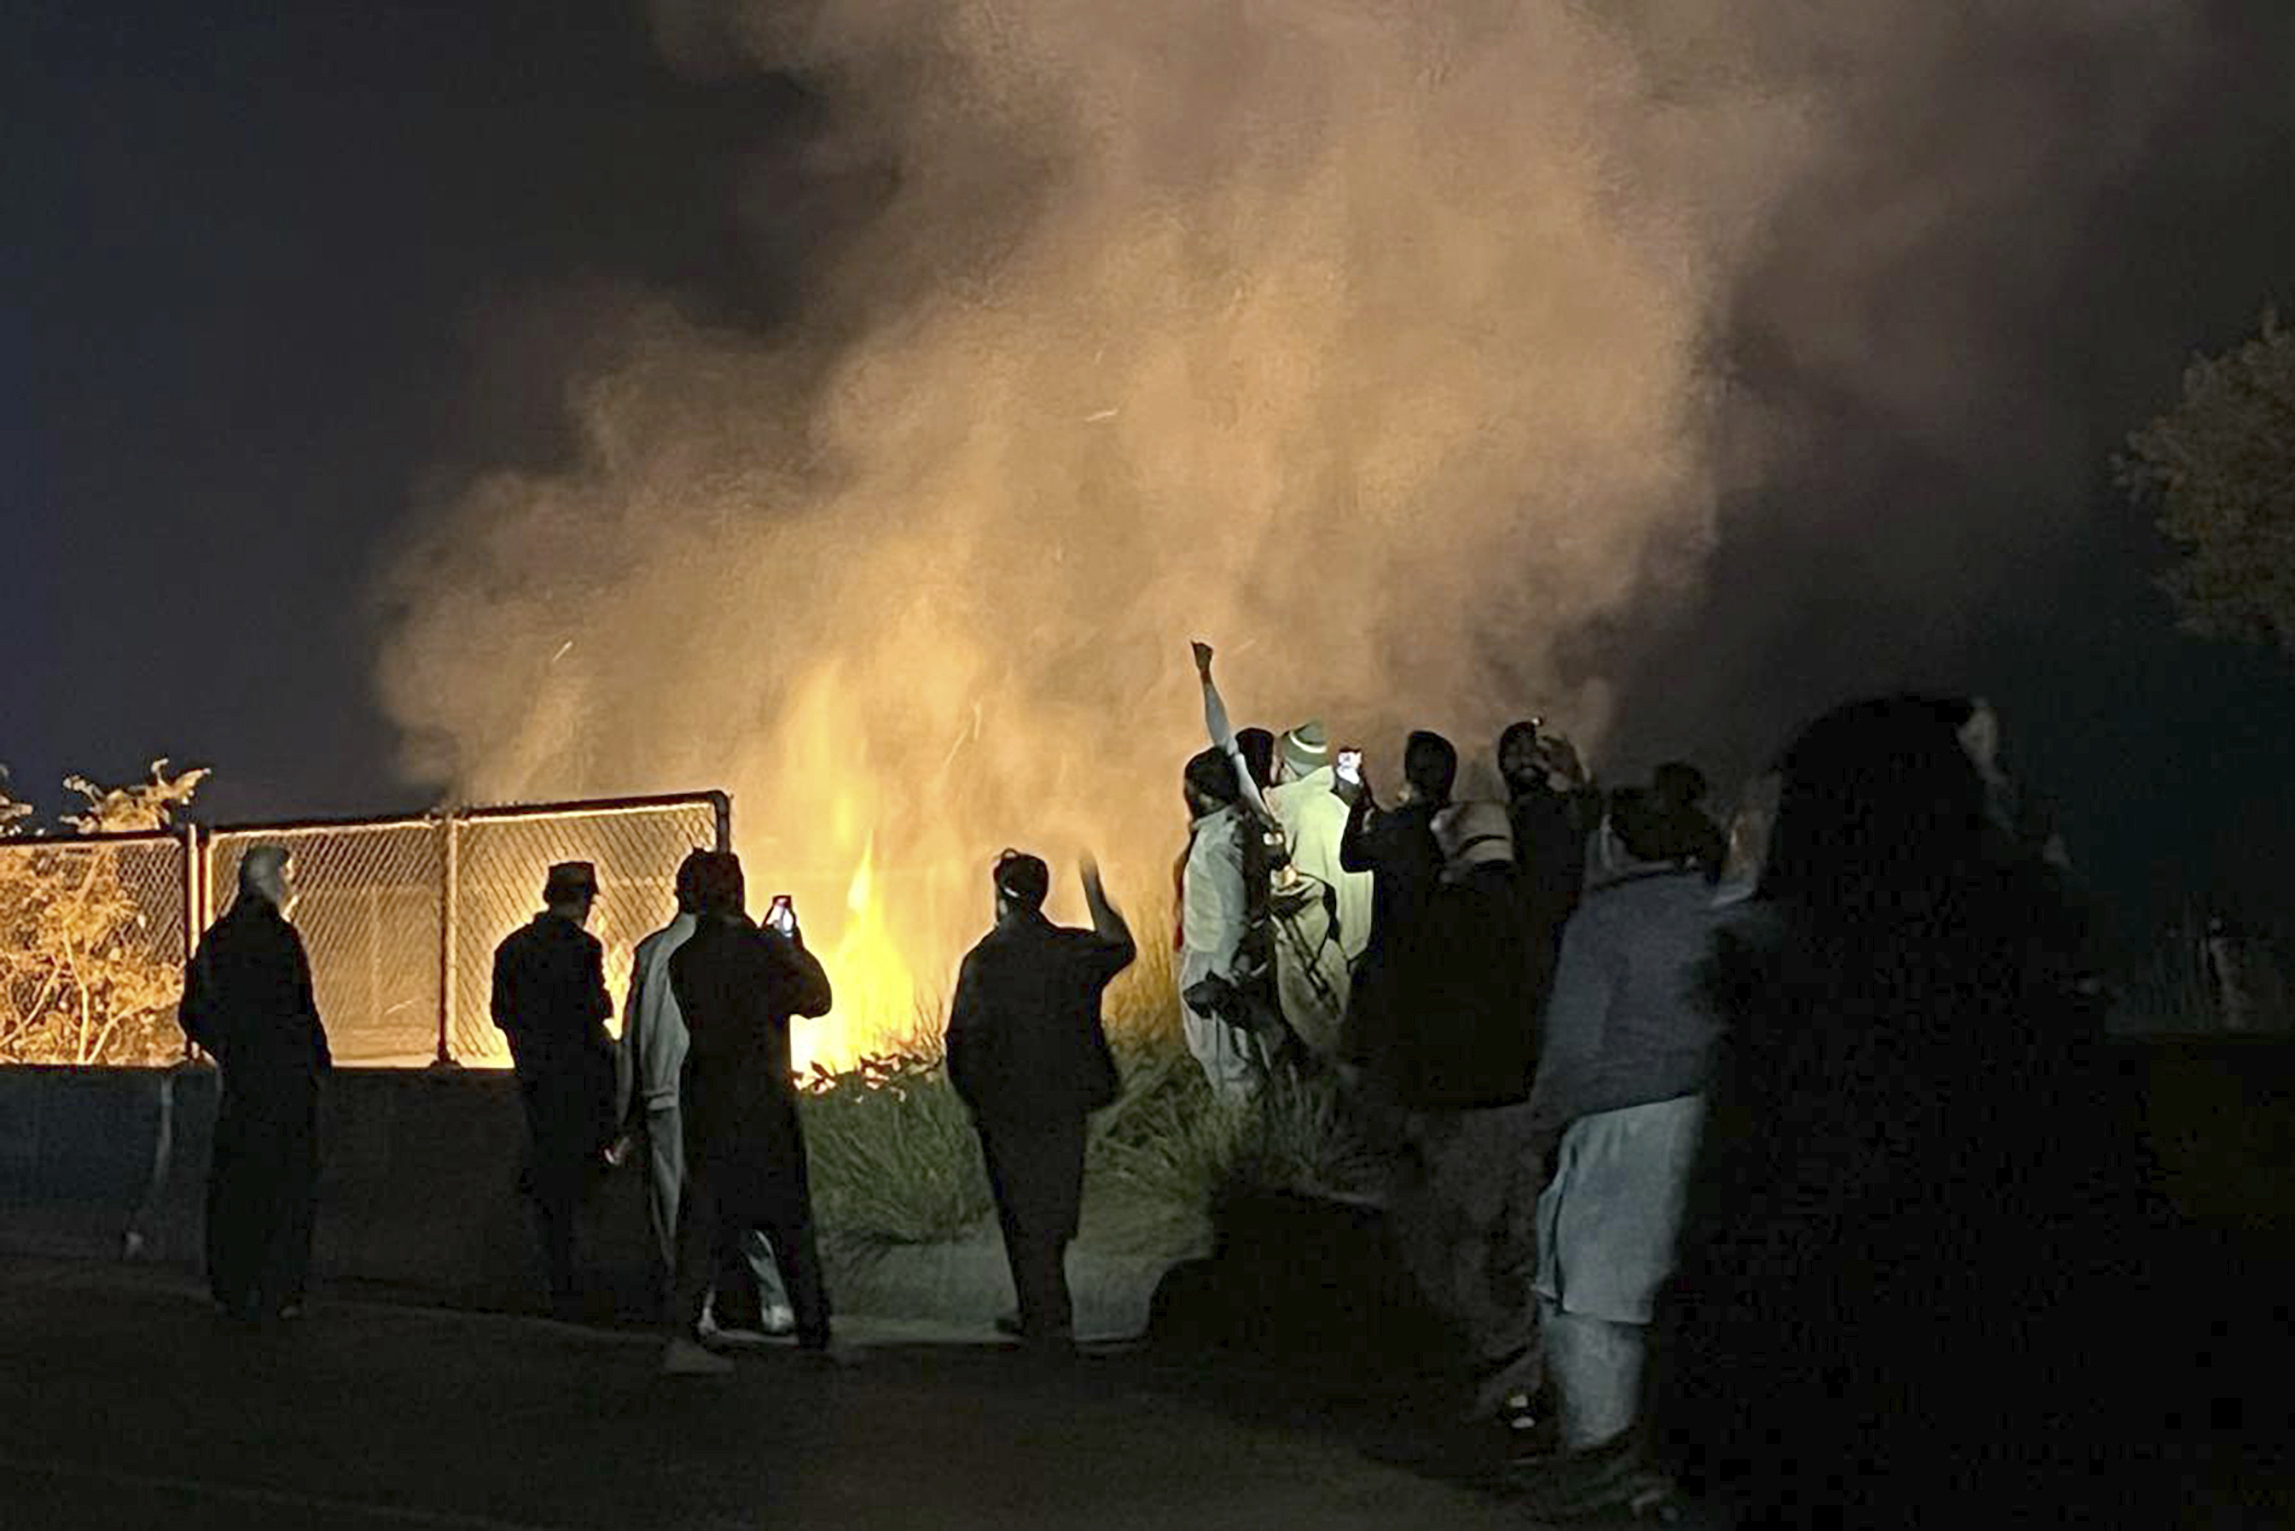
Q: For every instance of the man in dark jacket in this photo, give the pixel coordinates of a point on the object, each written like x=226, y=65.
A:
x=737, y=985
x=1027, y=1053
x=1554, y=811
x=1465, y=1189
x=247, y=1002
x=550, y=998
x=1397, y=847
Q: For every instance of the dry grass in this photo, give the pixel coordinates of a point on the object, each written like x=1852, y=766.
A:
x=895, y=1160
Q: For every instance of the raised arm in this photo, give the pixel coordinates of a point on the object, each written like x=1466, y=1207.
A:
x=805, y=982
x=1358, y=846
x=1222, y=730
x=1108, y=921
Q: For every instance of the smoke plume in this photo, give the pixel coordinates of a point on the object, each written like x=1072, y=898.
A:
x=1380, y=342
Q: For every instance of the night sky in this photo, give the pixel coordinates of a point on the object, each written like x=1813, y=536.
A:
x=279, y=281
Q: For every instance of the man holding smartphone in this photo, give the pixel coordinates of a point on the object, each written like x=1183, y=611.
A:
x=651, y=1068
x=1397, y=848
x=737, y=985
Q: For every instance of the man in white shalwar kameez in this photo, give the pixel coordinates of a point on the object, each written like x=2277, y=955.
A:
x=1213, y=918
x=1322, y=911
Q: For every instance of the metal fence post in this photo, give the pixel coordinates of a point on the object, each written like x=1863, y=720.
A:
x=194, y=924
x=722, y=802
x=449, y=918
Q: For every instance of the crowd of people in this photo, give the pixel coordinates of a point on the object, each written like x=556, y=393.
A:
x=1773, y=1167
x=1735, y=1158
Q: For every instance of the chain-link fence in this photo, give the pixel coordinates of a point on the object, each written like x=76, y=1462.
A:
x=368, y=899
x=400, y=917
x=501, y=858
x=93, y=934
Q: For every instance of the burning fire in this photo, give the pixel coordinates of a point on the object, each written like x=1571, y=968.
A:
x=875, y=990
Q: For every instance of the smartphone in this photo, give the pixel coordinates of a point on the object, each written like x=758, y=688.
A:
x=782, y=916
x=1351, y=766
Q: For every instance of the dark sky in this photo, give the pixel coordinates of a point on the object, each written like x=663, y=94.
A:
x=269, y=269
x=277, y=273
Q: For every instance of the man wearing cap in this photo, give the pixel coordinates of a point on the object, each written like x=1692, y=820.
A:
x=1322, y=911
x=550, y=1000
x=247, y=1003
x=1028, y=1055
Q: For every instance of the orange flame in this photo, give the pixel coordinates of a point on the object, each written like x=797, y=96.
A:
x=875, y=989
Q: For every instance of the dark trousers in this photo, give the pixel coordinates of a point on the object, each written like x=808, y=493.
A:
x=726, y=1196
x=1036, y=1169
x=564, y=1128
x=262, y=1187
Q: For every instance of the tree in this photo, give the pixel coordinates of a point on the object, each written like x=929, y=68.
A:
x=87, y=968
x=2219, y=471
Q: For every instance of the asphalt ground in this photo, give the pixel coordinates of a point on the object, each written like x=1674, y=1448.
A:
x=125, y=1401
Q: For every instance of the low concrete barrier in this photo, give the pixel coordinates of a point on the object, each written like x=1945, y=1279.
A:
x=417, y=1180
x=77, y=1154
x=419, y=1175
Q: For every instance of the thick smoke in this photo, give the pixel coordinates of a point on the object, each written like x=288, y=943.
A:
x=1378, y=340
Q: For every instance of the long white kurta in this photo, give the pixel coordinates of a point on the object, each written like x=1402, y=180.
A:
x=1311, y=967
x=1211, y=925
x=1311, y=961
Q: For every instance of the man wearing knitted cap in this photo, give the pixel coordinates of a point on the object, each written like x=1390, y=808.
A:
x=550, y=1000
x=1027, y=1053
x=1321, y=912
x=247, y=1003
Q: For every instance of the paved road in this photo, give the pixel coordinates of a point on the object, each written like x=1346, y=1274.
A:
x=124, y=1402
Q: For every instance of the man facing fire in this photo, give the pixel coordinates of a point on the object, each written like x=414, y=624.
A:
x=1027, y=1052
x=737, y=984
x=247, y=1002
x=550, y=1000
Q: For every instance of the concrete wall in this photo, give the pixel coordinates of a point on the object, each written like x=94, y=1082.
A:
x=417, y=1182
x=419, y=1169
